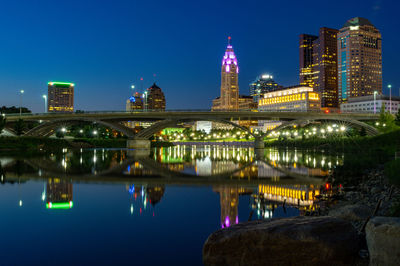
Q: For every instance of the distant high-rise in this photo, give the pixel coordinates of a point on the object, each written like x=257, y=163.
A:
x=262, y=85
x=306, y=59
x=229, y=99
x=60, y=97
x=134, y=102
x=154, y=98
x=359, y=47
x=324, y=67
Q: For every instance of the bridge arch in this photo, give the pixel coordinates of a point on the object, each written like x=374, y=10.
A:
x=370, y=130
x=158, y=126
x=47, y=128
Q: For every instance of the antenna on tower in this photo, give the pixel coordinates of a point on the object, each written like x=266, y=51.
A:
x=229, y=40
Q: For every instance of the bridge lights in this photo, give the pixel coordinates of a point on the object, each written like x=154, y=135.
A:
x=342, y=128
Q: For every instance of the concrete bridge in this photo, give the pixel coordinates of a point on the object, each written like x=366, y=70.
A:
x=49, y=122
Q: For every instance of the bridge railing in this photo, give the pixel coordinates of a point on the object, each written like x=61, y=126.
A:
x=174, y=111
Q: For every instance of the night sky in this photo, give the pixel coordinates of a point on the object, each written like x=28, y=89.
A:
x=105, y=46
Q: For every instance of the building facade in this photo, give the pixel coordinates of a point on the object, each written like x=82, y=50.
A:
x=307, y=77
x=324, y=67
x=359, y=48
x=367, y=104
x=154, y=98
x=292, y=99
x=135, y=102
x=229, y=99
x=262, y=85
x=60, y=97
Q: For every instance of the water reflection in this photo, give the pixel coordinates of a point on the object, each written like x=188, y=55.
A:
x=59, y=194
x=192, y=189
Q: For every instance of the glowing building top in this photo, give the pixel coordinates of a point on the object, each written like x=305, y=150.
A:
x=230, y=61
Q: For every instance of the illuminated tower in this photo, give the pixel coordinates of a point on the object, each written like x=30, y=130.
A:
x=306, y=59
x=229, y=99
x=359, y=47
x=61, y=97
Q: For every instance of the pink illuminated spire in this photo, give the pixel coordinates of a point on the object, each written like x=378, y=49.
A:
x=230, y=61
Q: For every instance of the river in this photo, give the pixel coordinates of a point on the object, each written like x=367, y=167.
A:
x=113, y=206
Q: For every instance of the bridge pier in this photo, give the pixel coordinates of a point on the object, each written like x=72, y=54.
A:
x=138, y=144
x=259, y=143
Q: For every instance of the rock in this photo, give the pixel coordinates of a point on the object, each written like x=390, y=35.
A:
x=290, y=241
x=352, y=213
x=375, y=190
x=383, y=240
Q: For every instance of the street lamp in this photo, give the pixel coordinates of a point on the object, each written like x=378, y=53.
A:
x=390, y=97
x=45, y=103
x=375, y=93
x=21, y=92
x=145, y=100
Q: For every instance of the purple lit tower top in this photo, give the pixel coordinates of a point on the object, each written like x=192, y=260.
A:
x=230, y=61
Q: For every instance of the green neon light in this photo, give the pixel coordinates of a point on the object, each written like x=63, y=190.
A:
x=59, y=205
x=58, y=83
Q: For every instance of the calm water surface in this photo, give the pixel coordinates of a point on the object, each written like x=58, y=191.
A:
x=132, y=207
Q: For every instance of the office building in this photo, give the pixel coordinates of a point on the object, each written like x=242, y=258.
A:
x=291, y=99
x=324, y=67
x=359, y=59
x=307, y=77
x=154, y=98
x=367, y=104
x=229, y=99
x=135, y=102
x=262, y=85
x=60, y=97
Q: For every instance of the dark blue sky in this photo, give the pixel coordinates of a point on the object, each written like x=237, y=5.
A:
x=105, y=46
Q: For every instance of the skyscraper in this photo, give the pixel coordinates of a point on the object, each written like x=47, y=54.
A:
x=262, y=85
x=229, y=99
x=60, y=97
x=324, y=66
x=154, y=98
x=306, y=59
x=359, y=47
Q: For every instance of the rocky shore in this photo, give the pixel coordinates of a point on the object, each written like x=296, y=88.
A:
x=355, y=229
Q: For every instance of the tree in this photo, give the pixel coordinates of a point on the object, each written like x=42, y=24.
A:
x=363, y=132
x=19, y=127
x=2, y=123
x=397, y=120
x=386, y=120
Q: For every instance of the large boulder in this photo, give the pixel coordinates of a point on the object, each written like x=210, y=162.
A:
x=352, y=213
x=383, y=240
x=290, y=241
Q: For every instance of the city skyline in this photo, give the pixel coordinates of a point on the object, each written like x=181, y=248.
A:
x=114, y=53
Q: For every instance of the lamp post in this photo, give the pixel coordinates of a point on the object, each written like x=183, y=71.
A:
x=375, y=93
x=133, y=89
x=21, y=92
x=145, y=100
x=390, y=97
x=45, y=103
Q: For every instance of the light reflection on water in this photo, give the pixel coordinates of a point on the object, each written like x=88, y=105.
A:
x=178, y=189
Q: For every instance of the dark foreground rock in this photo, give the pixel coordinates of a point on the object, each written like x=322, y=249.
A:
x=290, y=241
x=352, y=213
x=383, y=239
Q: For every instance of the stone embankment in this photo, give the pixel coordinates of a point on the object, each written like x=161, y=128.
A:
x=354, y=231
